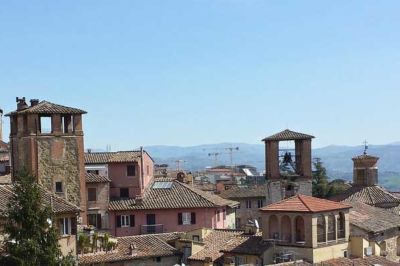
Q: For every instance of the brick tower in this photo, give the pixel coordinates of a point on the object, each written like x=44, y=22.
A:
x=298, y=178
x=47, y=139
x=365, y=169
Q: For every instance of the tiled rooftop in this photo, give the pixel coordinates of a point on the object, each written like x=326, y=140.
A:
x=93, y=178
x=213, y=244
x=177, y=196
x=288, y=135
x=303, y=203
x=365, y=156
x=45, y=107
x=256, y=191
x=147, y=246
x=246, y=244
x=112, y=157
x=367, y=261
x=371, y=195
x=372, y=219
x=59, y=205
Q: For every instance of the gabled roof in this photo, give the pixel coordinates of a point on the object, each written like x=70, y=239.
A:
x=113, y=157
x=213, y=243
x=288, y=135
x=255, y=191
x=371, y=195
x=93, y=178
x=366, y=261
x=146, y=246
x=303, y=203
x=45, y=107
x=372, y=219
x=59, y=205
x=175, y=195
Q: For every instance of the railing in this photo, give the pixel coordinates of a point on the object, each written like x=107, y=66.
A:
x=152, y=229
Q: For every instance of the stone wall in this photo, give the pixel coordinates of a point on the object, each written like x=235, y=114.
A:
x=58, y=161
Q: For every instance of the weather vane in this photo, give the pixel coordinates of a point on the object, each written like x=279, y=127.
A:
x=365, y=146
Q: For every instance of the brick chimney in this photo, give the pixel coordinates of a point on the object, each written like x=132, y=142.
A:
x=34, y=102
x=21, y=103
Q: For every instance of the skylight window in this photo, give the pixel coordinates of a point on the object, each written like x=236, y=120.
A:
x=160, y=184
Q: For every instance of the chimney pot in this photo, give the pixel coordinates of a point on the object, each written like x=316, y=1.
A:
x=34, y=102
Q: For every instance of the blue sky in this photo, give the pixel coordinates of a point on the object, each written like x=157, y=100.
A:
x=195, y=72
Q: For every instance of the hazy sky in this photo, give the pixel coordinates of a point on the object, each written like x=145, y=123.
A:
x=193, y=72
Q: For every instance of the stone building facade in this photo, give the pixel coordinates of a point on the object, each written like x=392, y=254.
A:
x=47, y=139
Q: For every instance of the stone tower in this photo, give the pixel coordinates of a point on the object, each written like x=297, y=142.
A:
x=47, y=139
x=365, y=170
x=297, y=179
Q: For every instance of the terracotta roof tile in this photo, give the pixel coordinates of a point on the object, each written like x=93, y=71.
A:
x=175, y=196
x=147, y=246
x=45, y=107
x=367, y=261
x=59, y=205
x=372, y=219
x=256, y=191
x=303, y=203
x=112, y=157
x=365, y=156
x=213, y=243
x=247, y=244
x=288, y=135
x=93, y=178
x=371, y=195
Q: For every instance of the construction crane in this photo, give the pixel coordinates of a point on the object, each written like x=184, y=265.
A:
x=230, y=152
x=215, y=154
x=178, y=164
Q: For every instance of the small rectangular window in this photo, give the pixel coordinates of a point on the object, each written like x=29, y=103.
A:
x=59, y=187
x=92, y=194
x=196, y=238
x=124, y=192
x=130, y=170
x=65, y=226
x=224, y=214
x=186, y=218
x=218, y=218
x=45, y=125
x=260, y=203
x=248, y=204
x=125, y=221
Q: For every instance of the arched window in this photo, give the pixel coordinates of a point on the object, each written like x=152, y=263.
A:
x=341, y=225
x=321, y=233
x=331, y=228
x=286, y=227
x=273, y=227
x=299, y=226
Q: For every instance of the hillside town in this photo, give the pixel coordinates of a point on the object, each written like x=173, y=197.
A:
x=124, y=208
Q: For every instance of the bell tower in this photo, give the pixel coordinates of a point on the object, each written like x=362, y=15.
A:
x=288, y=171
x=47, y=139
x=365, y=169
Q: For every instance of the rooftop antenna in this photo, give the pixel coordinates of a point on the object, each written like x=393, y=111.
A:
x=365, y=147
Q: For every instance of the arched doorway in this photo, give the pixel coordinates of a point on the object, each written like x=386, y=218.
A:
x=273, y=227
x=286, y=229
x=300, y=230
x=321, y=232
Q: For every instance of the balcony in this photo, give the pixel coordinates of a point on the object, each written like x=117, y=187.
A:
x=152, y=229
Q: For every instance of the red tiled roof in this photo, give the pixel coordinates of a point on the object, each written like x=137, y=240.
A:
x=365, y=156
x=45, y=107
x=367, y=261
x=147, y=246
x=303, y=203
x=93, y=178
x=371, y=195
x=288, y=135
x=113, y=157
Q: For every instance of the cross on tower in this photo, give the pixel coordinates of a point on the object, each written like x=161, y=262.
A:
x=365, y=146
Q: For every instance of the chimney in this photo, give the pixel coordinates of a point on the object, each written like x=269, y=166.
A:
x=21, y=103
x=132, y=250
x=34, y=102
x=1, y=125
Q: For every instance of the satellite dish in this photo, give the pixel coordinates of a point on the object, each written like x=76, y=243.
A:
x=256, y=223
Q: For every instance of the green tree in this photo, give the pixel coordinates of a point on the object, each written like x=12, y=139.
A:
x=320, y=187
x=31, y=234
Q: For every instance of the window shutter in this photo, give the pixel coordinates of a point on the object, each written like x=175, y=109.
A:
x=98, y=221
x=73, y=226
x=193, y=218
x=180, y=218
x=132, y=220
x=118, y=220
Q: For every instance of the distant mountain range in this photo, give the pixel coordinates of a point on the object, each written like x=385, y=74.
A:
x=337, y=159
